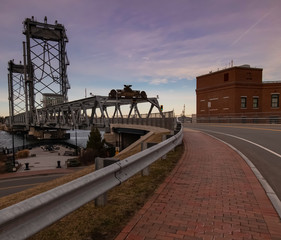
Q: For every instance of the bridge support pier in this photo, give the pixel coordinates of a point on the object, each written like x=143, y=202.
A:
x=123, y=137
x=47, y=133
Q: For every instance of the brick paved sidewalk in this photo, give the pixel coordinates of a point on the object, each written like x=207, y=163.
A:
x=211, y=194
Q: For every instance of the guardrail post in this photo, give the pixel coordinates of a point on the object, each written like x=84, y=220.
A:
x=145, y=145
x=178, y=128
x=101, y=163
x=145, y=171
x=165, y=137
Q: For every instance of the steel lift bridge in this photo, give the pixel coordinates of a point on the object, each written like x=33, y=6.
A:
x=38, y=87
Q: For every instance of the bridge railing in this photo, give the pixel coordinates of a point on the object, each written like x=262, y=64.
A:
x=252, y=120
x=168, y=122
x=25, y=218
x=163, y=119
x=169, y=114
x=247, y=117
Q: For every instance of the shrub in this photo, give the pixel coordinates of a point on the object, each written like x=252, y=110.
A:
x=96, y=147
x=3, y=159
x=74, y=162
x=89, y=156
x=23, y=153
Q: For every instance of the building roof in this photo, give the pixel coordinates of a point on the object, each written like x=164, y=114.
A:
x=245, y=66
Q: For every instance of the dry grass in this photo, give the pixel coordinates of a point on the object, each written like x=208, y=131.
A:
x=22, y=154
x=102, y=223
x=20, y=196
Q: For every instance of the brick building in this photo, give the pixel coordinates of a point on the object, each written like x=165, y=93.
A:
x=237, y=94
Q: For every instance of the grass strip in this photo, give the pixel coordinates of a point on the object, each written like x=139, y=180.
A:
x=104, y=223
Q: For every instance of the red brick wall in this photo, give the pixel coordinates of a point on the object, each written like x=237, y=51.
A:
x=268, y=90
x=235, y=75
x=223, y=90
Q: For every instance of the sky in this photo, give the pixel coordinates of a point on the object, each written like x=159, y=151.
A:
x=157, y=46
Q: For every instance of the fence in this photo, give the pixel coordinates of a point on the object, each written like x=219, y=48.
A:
x=265, y=120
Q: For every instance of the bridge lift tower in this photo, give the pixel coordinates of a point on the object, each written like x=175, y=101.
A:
x=16, y=89
x=46, y=61
x=44, y=70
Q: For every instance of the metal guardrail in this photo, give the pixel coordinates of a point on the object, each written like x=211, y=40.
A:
x=26, y=218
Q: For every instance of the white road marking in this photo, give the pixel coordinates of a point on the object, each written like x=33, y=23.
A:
x=267, y=188
x=243, y=139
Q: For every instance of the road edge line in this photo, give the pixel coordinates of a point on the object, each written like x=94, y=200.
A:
x=268, y=190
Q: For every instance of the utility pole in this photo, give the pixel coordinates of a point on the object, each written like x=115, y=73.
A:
x=183, y=113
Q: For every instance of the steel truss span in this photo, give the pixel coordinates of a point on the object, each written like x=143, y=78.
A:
x=86, y=112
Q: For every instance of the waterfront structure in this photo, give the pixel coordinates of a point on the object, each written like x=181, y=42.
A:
x=237, y=94
x=50, y=99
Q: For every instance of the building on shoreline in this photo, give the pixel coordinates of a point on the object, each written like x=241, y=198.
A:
x=237, y=94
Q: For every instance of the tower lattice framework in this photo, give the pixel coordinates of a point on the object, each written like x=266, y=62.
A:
x=46, y=64
x=16, y=89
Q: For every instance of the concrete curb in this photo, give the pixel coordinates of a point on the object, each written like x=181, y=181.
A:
x=269, y=191
x=37, y=173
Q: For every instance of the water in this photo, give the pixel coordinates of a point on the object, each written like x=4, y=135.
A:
x=7, y=142
x=6, y=139
x=82, y=137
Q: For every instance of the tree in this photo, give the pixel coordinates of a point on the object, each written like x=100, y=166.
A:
x=95, y=140
x=96, y=147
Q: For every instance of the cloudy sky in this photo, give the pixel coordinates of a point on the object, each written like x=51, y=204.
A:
x=158, y=46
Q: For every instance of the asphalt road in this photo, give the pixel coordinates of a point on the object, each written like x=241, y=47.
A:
x=13, y=185
x=261, y=144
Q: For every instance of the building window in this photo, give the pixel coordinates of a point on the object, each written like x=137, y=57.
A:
x=255, y=102
x=274, y=100
x=243, y=102
x=249, y=76
x=226, y=77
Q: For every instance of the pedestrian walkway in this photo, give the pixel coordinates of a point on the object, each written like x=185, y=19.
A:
x=46, y=158
x=211, y=194
x=44, y=162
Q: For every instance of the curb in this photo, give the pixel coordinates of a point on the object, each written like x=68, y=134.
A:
x=36, y=173
x=268, y=190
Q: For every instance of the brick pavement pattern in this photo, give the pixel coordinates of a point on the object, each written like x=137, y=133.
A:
x=211, y=194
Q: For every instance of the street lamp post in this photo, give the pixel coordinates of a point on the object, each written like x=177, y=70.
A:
x=76, y=141
x=13, y=145
x=23, y=141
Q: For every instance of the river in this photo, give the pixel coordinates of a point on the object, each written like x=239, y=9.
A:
x=7, y=142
